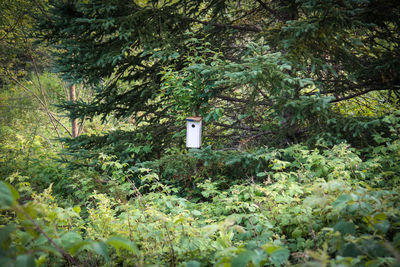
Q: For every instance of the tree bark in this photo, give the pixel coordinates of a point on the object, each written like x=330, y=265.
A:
x=74, y=121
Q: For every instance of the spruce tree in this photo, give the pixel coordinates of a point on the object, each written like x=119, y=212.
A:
x=259, y=72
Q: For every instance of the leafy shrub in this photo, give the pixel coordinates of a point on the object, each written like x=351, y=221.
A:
x=312, y=207
x=263, y=207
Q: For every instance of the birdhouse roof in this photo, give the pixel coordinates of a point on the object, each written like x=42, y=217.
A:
x=193, y=118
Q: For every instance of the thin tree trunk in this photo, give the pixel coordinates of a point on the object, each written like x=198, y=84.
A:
x=74, y=121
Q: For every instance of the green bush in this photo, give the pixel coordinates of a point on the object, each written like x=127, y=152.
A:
x=300, y=206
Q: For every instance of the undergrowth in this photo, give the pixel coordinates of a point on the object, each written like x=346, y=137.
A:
x=293, y=206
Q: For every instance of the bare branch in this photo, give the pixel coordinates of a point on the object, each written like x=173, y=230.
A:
x=59, y=122
x=49, y=113
x=240, y=127
x=46, y=106
x=232, y=99
x=244, y=27
x=357, y=94
x=245, y=15
x=267, y=8
x=24, y=87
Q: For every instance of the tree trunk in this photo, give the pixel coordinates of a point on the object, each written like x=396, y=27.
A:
x=74, y=121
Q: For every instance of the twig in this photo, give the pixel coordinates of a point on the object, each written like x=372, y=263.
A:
x=43, y=104
x=171, y=246
x=37, y=98
x=51, y=145
x=59, y=122
x=66, y=255
x=129, y=223
x=392, y=250
x=244, y=27
x=46, y=106
x=355, y=95
x=270, y=10
x=240, y=127
x=245, y=15
x=312, y=232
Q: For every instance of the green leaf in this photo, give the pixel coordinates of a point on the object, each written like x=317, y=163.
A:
x=30, y=209
x=382, y=226
x=297, y=233
x=14, y=192
x=279, y=257
x=351, y=250
x=120, y=242
x=341, y=201
x=41, y=260
x=210, y=229
x=69, y=239
x=196, y=212
x=77, y=209
x=345, y=228
x=396, y=240
x=6, y=231
x=51, y=249
x=192, y=264
x=6, y=196
x=271, y=248
x=380, y=217
x=243, y=258
x=6, y=261
x=101, y=249
x=25, y=260
x=85, y=244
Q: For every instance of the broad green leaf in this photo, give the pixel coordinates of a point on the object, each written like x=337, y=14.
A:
x=41, y=260
x=6, y=196
x=380, y=217
x=374, y=262
x=210, y=229
x=192, y=264
x=6, y=261
x=351, y=250
x=25, y=260
x=341, y=201
x=69, y=239
x=50, y=248
x=345, y=228
x=6, y=231
x=179, y=220
x=396, y=240
x=271, y=248
x=85, y=244
x=279, y=257
x=25, y=238
x=382, y=226
x=119, y=242
x=14, y=191
x=243, y=258
x=297, y=233
x=101, y=249
x=196, y=212
x=30, y=209
x=77, y=209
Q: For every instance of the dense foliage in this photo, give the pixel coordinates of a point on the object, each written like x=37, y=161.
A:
x=306, y=206
x=300, y=157
x=259, y=72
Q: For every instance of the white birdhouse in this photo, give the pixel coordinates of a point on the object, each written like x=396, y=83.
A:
x=193, y=132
